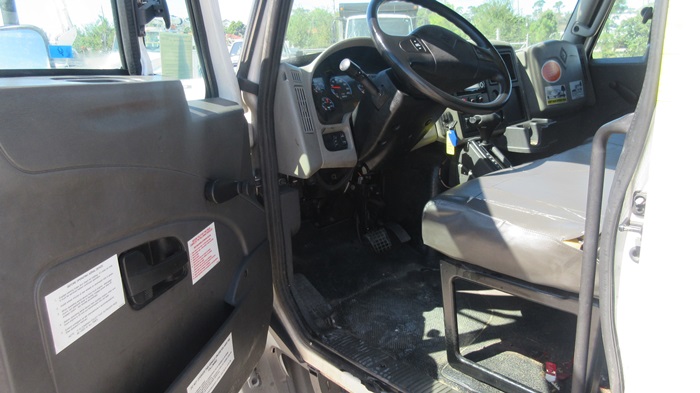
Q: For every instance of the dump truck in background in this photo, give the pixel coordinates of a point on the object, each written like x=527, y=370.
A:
x=396, y=18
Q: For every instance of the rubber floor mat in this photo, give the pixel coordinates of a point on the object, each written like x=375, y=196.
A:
x=392, y=302
x=339, y=265
x=404, y=317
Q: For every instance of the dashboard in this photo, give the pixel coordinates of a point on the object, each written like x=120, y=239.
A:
x=314, y=102
x=336, y=94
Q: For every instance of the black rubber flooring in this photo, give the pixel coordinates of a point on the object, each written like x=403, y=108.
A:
x=393, y=302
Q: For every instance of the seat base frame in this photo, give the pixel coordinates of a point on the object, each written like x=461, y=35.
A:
x=452, y=270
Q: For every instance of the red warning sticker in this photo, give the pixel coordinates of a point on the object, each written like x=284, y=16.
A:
x=551, y=71
x=204, y=252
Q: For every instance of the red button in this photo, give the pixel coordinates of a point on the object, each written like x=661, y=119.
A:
x=551, y=71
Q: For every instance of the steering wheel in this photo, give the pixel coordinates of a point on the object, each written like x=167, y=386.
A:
x=439, y=63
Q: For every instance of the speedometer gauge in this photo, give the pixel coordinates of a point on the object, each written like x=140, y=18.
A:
x=340, y=88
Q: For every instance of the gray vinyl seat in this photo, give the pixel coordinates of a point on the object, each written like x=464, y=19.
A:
x=524, y=222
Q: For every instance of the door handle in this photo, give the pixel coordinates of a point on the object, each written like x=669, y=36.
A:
x=151, y=269
x=625, y=92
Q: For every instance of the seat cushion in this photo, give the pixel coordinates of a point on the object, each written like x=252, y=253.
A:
x=517, y=221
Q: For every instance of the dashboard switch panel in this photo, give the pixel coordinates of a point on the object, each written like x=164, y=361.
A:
x=335, y=141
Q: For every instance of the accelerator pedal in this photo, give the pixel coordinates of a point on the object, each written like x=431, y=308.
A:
x=379, y=240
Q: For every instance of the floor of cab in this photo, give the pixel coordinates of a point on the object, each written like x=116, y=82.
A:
x=384, y=311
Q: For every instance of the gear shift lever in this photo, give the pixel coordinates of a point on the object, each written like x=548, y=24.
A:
x=486, y=125
x=481, y=156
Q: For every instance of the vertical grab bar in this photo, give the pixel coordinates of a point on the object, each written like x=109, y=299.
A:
x=594, y=204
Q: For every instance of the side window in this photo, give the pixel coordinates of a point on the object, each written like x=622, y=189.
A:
x=624, y=33
x=37, y=34
x=173, y=52
x=235, y=17
x=78, y=34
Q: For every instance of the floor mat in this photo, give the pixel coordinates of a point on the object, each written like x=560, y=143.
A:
x=339, y=265
x=404, y=317
x=393, y=302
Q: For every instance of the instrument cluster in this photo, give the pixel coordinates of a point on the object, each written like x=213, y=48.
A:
x=334, y=93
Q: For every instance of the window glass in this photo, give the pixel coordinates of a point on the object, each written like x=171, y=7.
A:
x=44, y=34
x=316, y=24
x=235, y=19
x=173, y=52
x=73, y=34
x=624, y=34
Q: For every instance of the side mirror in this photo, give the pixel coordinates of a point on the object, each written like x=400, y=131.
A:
x=647, y=13
x=23, y=47
x=147, y=10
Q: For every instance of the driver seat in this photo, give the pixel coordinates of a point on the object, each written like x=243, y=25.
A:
x=518, y=230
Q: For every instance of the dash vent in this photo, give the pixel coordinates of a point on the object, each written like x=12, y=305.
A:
x=296, y=75
x=306, y=121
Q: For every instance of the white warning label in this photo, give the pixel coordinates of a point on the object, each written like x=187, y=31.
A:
x=214, y=370
x=83, y=303
x=576, y=88
x=555, y=94
x=204, y=252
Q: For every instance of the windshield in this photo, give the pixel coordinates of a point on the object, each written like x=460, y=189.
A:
x=358, y=27
x=316, y=24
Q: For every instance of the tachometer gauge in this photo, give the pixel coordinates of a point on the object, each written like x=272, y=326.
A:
x=340, y=88
x=327, y=104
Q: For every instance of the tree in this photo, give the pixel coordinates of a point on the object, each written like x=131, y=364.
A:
x=427, y=17
x=543, y=28
x=310, y=28
x=624, y=35
x=625, y=39
x=558, y=6
x=97, y=37
x=537, y=8
x=633, y=36
x=236, y=28
x=496, y=19
x=620, y=7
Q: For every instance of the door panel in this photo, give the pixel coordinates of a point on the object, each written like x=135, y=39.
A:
x=91, y=169
x=617, y=84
